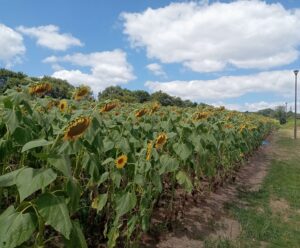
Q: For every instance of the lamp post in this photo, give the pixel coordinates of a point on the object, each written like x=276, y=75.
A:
x=295, y=125
x=285, y=111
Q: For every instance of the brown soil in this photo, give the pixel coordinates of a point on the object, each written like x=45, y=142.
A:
x=280, y=207
x=206, y=217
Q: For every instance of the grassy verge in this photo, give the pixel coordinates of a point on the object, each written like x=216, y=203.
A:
x=270, y=217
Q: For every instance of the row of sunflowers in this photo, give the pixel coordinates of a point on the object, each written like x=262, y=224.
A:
x=78, y=173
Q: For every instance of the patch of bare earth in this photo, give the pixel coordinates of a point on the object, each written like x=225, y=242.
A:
x=280, y=207
x=205, y=217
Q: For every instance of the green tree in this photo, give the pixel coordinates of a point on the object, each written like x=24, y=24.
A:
x=60, y=88
x=280, y=114
x=141, y=96
x=116, y=92
x=10, y=79
x=163, y=98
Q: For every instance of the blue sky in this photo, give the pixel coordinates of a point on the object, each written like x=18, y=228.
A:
x=234, y=53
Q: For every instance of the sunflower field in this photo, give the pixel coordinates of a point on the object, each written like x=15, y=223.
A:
x=81, y=173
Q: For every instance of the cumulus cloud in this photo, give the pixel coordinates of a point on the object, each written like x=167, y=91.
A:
x=156, y=69
x=210, y=37
x=280, y=82
x=50, y=37
x=12, y=46
x=252, y=107
x=106, y=68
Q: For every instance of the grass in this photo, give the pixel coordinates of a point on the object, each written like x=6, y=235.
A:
x=264, y=224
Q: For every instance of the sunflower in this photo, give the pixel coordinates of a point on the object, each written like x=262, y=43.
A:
x=108, y=107
x=81, y=92
x=149, y=150
x=242, y=127
x=121, y=161
x=228, y=126
x=141, y=112
x=160, y=141
x=77, y=128
x=63, y=105
x=155, y=107
x=39, y=89
x=201, y=115
x=221, y=108
x=51, y=104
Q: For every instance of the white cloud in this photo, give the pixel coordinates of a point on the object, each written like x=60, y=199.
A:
x=106, y=69
x=57, y=67
x=49, y=36
x=209, y=37
x=11, y=46
x=252, y=107
x=156, y=69
x=280, y=82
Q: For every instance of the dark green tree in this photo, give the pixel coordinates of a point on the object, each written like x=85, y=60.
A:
x=116, y=92
x=141, y=96
x=60, y=88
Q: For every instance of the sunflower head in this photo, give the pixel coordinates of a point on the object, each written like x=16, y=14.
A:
x=63, y=105
x=201, y=115
x=77, y=128
x=242, y=127
x=108, y=107
x=81, y=93
x=221, y=108
x=141, y=112
x=121, y=161
x=228, y=126
x=51, y=104
x=40, y=88
x=149, y=150
x=155, y=107
x=160, y=140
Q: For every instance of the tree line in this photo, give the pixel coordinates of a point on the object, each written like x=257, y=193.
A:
x=63, y=89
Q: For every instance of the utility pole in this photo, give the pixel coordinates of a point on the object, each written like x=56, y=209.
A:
x=295, y=125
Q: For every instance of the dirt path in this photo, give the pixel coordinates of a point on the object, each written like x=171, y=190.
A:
x=208, y=218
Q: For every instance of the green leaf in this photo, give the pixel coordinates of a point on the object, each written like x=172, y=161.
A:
x=8, y=179
x=139, y=179
x=184, y=181
x=107, y=144
x=16, y=227
x=73, y=190
x=12, y=120
x=146, y=221
x=132, y=224
x=123, y=145
x=116, y=178
x=168, y=164
x=103, y=178
x=76, y=238
x=156, y=180
x=182, y=150
x=54, y=211
x=107, y=161
x=125, y=203
x=112, y=235
x=61, y=163
x=30, y=180
x=22, y=135
x=99, y=202
x=36, y=143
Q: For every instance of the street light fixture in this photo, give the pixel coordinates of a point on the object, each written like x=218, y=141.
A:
x=295, y=125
